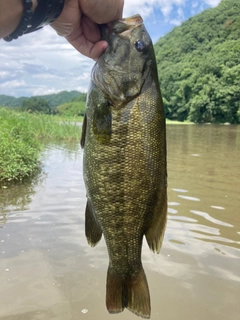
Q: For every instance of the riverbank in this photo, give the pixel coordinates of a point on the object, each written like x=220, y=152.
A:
x=21, y=134
x=21, y=139
x=168, y=121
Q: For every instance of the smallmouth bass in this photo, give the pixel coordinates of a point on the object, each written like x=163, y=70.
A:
x=124, y=161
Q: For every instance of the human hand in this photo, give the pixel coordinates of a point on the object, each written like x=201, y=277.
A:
x=79, y=20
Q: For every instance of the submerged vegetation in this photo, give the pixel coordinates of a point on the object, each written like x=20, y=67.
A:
x=21, y=134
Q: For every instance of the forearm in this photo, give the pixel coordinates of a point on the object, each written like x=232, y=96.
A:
x=10, y=15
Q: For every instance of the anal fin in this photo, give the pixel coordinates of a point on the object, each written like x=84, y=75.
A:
x=155, y=232
x=93, y=229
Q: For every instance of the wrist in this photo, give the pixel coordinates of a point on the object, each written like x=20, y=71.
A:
x=10, y=15
x=34, y=15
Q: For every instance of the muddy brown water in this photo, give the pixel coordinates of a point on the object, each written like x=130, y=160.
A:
x=48, y=272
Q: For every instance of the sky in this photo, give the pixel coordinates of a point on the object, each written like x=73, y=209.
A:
x=43, y=63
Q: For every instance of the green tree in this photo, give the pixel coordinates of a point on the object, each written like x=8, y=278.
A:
x=73, y=108
x=199, y=66
x=35, y=105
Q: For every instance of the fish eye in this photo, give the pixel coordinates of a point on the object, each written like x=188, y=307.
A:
x=140, y=45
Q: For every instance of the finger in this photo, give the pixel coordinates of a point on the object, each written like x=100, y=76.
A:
x=88, y=48
x=62, y=29
x=98, y=49
x=90, y=29
x=102, y=11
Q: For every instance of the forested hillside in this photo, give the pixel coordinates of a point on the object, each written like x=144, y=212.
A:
x=199, y=66
x=53, y=100
x=10, y=101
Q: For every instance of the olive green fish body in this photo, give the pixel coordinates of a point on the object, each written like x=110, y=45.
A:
x=125, y=163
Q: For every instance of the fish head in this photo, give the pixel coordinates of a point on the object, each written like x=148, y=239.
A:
x=125, y=65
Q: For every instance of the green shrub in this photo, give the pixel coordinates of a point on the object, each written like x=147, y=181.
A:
x=19, y=150
x=21, y=135
x=73, y=108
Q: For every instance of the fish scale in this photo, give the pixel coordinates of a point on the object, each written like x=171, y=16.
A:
x=124, y=162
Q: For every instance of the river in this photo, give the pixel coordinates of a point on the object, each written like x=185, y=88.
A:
x=48, y=271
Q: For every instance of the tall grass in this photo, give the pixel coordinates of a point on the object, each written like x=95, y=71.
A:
x=20, y=140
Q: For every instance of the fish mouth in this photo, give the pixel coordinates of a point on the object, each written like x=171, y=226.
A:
x=133, y=20
x=122, y=28
x=125, y=26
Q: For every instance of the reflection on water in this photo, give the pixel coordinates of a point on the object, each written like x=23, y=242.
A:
x=47, y=270
x=17, y=197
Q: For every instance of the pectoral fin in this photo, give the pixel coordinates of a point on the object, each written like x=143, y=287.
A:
x=155, y=232
x=102, y=122
x=93, y=229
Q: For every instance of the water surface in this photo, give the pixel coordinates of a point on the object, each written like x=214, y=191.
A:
x=48, y=272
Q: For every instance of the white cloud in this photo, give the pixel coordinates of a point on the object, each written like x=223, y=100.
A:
x=82, y=89
x=13, y=84
x=194, y=4
x=146, y=7
x=176, y=22
x=3, y=74
x=42, y=62
x=45, y=76
x=212, y=3
x=180, y=17
x=43, y=91
x=10, y=87
x=180, y=13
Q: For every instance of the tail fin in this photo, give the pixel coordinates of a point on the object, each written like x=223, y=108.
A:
x=129, y=292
